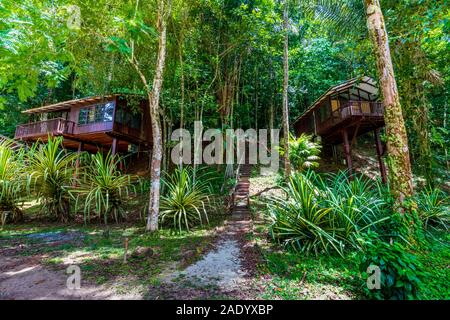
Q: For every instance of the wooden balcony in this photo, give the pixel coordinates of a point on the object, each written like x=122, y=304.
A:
x=352, y=109
x=348, y=112
x=57, y=126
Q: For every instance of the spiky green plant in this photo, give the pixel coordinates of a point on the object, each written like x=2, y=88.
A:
x=104, y=188
x=185, y=202
x=13, y=182
x=303, y=152
x=325, y=213
x=433, y=208
x=51, y=171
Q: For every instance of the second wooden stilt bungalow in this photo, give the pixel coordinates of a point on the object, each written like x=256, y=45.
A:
x=343, y=113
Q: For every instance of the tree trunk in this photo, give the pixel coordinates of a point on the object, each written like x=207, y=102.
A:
x=400, y=176
x=272, y=100
x=153, y=208
x=287, y=164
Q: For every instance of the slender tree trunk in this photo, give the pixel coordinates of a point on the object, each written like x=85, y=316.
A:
x=272, y=101
x=287, y=164
x=182, y=86
x=400, y=176
x=445, y=148
x=153, y=208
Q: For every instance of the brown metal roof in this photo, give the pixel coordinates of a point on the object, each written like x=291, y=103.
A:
x=365, y=84
x=66, y=105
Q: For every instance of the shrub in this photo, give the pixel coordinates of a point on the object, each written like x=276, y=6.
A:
x=399, y=271
x=185, y=202
x=104, y=188
x=51, y=171
x=325, y=214
x=303, y=152
x=13, y=183
x=433, y=209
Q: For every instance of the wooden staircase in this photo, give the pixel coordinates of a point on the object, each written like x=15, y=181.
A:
x=241, y=199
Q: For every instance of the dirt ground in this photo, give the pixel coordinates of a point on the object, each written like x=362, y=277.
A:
x=26, y=277
x=227, y=267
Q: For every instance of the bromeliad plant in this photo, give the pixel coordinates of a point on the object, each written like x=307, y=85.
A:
x=13, y=182
x=51, y=171
x=185, y=202
x=104, y=188
x=434, y=209
x=325, y=214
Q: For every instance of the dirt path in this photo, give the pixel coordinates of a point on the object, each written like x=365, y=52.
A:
x=225, y=272
x=228, y=269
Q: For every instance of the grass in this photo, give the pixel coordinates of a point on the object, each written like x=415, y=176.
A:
x=294, y=276
x=100, y=254
x=436, y=261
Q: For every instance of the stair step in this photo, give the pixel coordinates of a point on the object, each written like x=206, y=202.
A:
x=241, y=191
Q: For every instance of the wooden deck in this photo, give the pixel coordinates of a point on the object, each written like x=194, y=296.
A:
x=93, y=136
x=358, y=117
x=58, y=126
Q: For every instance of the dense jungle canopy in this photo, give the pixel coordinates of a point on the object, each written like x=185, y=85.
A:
x=224, y=60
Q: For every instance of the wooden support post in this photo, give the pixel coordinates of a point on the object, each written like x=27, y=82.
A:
x=334, y=151
x=114, y=146
x=347, y=151
x=379, y=148
x=355, y=134
x=77, y=162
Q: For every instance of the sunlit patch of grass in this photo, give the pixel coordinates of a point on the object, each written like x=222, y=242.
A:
x=294, y=276
x=436, y=262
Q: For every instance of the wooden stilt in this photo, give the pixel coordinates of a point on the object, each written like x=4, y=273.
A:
x=114, y=146
x=77, y=162
x=335, y=158
x=347, y=151
x=379, y=148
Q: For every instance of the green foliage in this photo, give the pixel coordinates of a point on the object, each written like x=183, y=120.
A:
x=407, y=225
x=13, y=183
x=322, y=215
x=186, y=201
x=400, y=271
x=104, y=188
x=51, y=171
x=433, y=209
x=303, y=152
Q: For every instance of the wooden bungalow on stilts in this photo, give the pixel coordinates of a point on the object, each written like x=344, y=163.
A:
x=92, y=124
x=343, y=113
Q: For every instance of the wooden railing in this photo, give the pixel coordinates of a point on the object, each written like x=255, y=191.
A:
x=55, y=126
x=347, y=110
